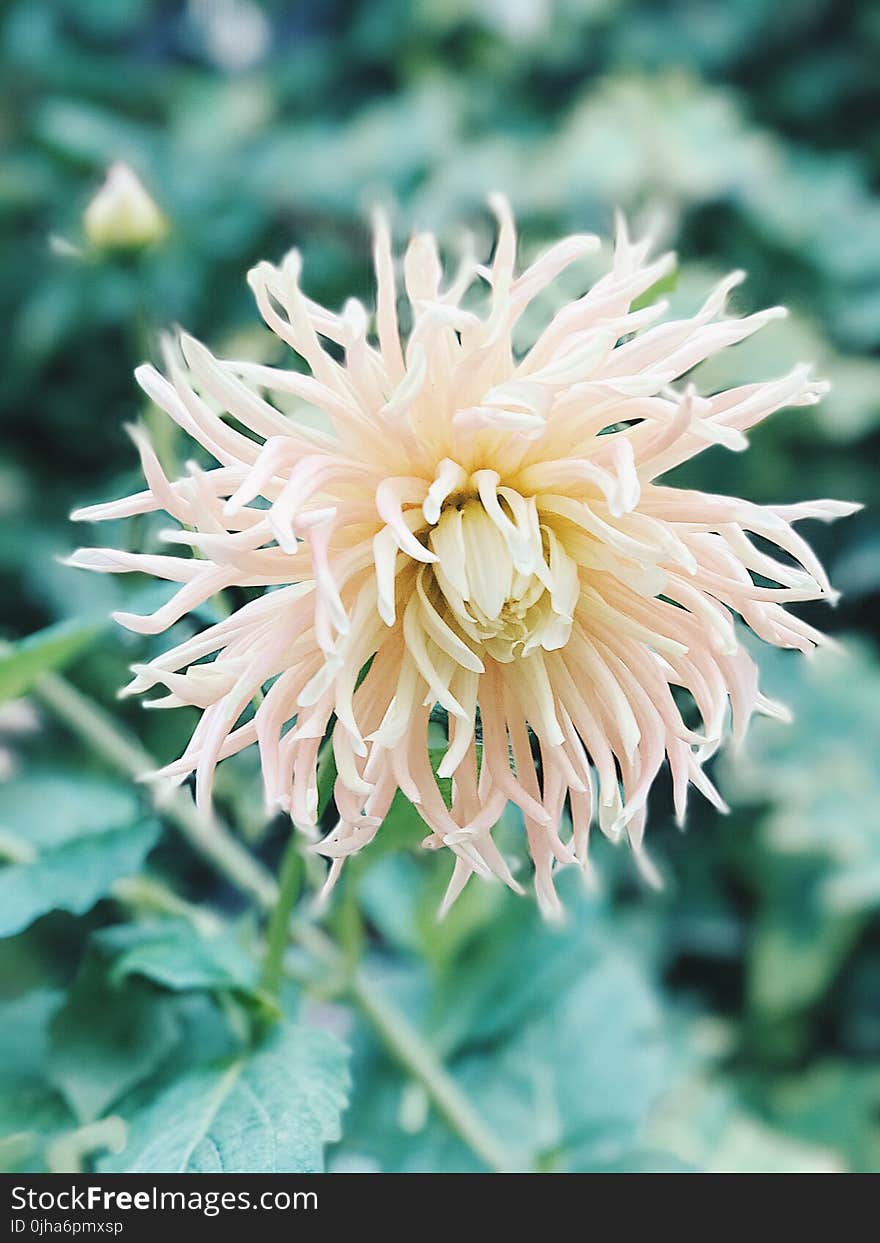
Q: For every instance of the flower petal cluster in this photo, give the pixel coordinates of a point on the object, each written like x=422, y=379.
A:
x=455, y=545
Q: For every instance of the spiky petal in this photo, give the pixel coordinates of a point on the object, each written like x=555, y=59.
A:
x=460, y=526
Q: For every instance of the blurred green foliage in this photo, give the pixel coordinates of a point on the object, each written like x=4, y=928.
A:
x=731, y=1022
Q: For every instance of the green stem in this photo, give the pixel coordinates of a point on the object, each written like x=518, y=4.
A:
x=216, y=844
x=209, y=837
x=278, y=933
x=416, y=1055
x=413, y=1053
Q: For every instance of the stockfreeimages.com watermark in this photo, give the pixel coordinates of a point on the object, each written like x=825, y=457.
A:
x=94, y=1199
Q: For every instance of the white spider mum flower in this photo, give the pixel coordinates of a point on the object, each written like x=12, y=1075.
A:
x=476, y=530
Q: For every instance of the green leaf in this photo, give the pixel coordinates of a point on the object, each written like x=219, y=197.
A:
x=816, y=862
x=402, y=830
x=31, y=1111
x=519, y=970
x=820, y=775
x=82, y=834
x=15, y=1149
x=326, y=777
x=105, y=1040
x=271, y=1112
x=796, y=949
x=24, y=663
x=580, y=1079
x=177, y=956
x=666, y=284
x=556, y=1036
x=707, y=1126
x=24, y=1031
x=831, y=1102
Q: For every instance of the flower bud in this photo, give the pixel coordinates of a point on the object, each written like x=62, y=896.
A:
x=122, y=215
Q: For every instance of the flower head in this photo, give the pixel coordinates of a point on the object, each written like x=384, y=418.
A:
x=464, y=544
x=121, y=215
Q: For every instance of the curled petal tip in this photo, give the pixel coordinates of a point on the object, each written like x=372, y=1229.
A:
x=567, y=619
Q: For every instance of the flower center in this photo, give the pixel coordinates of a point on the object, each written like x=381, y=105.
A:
x=502, y=578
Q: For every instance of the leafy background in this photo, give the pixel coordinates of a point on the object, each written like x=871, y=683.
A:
x=731, y=1022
